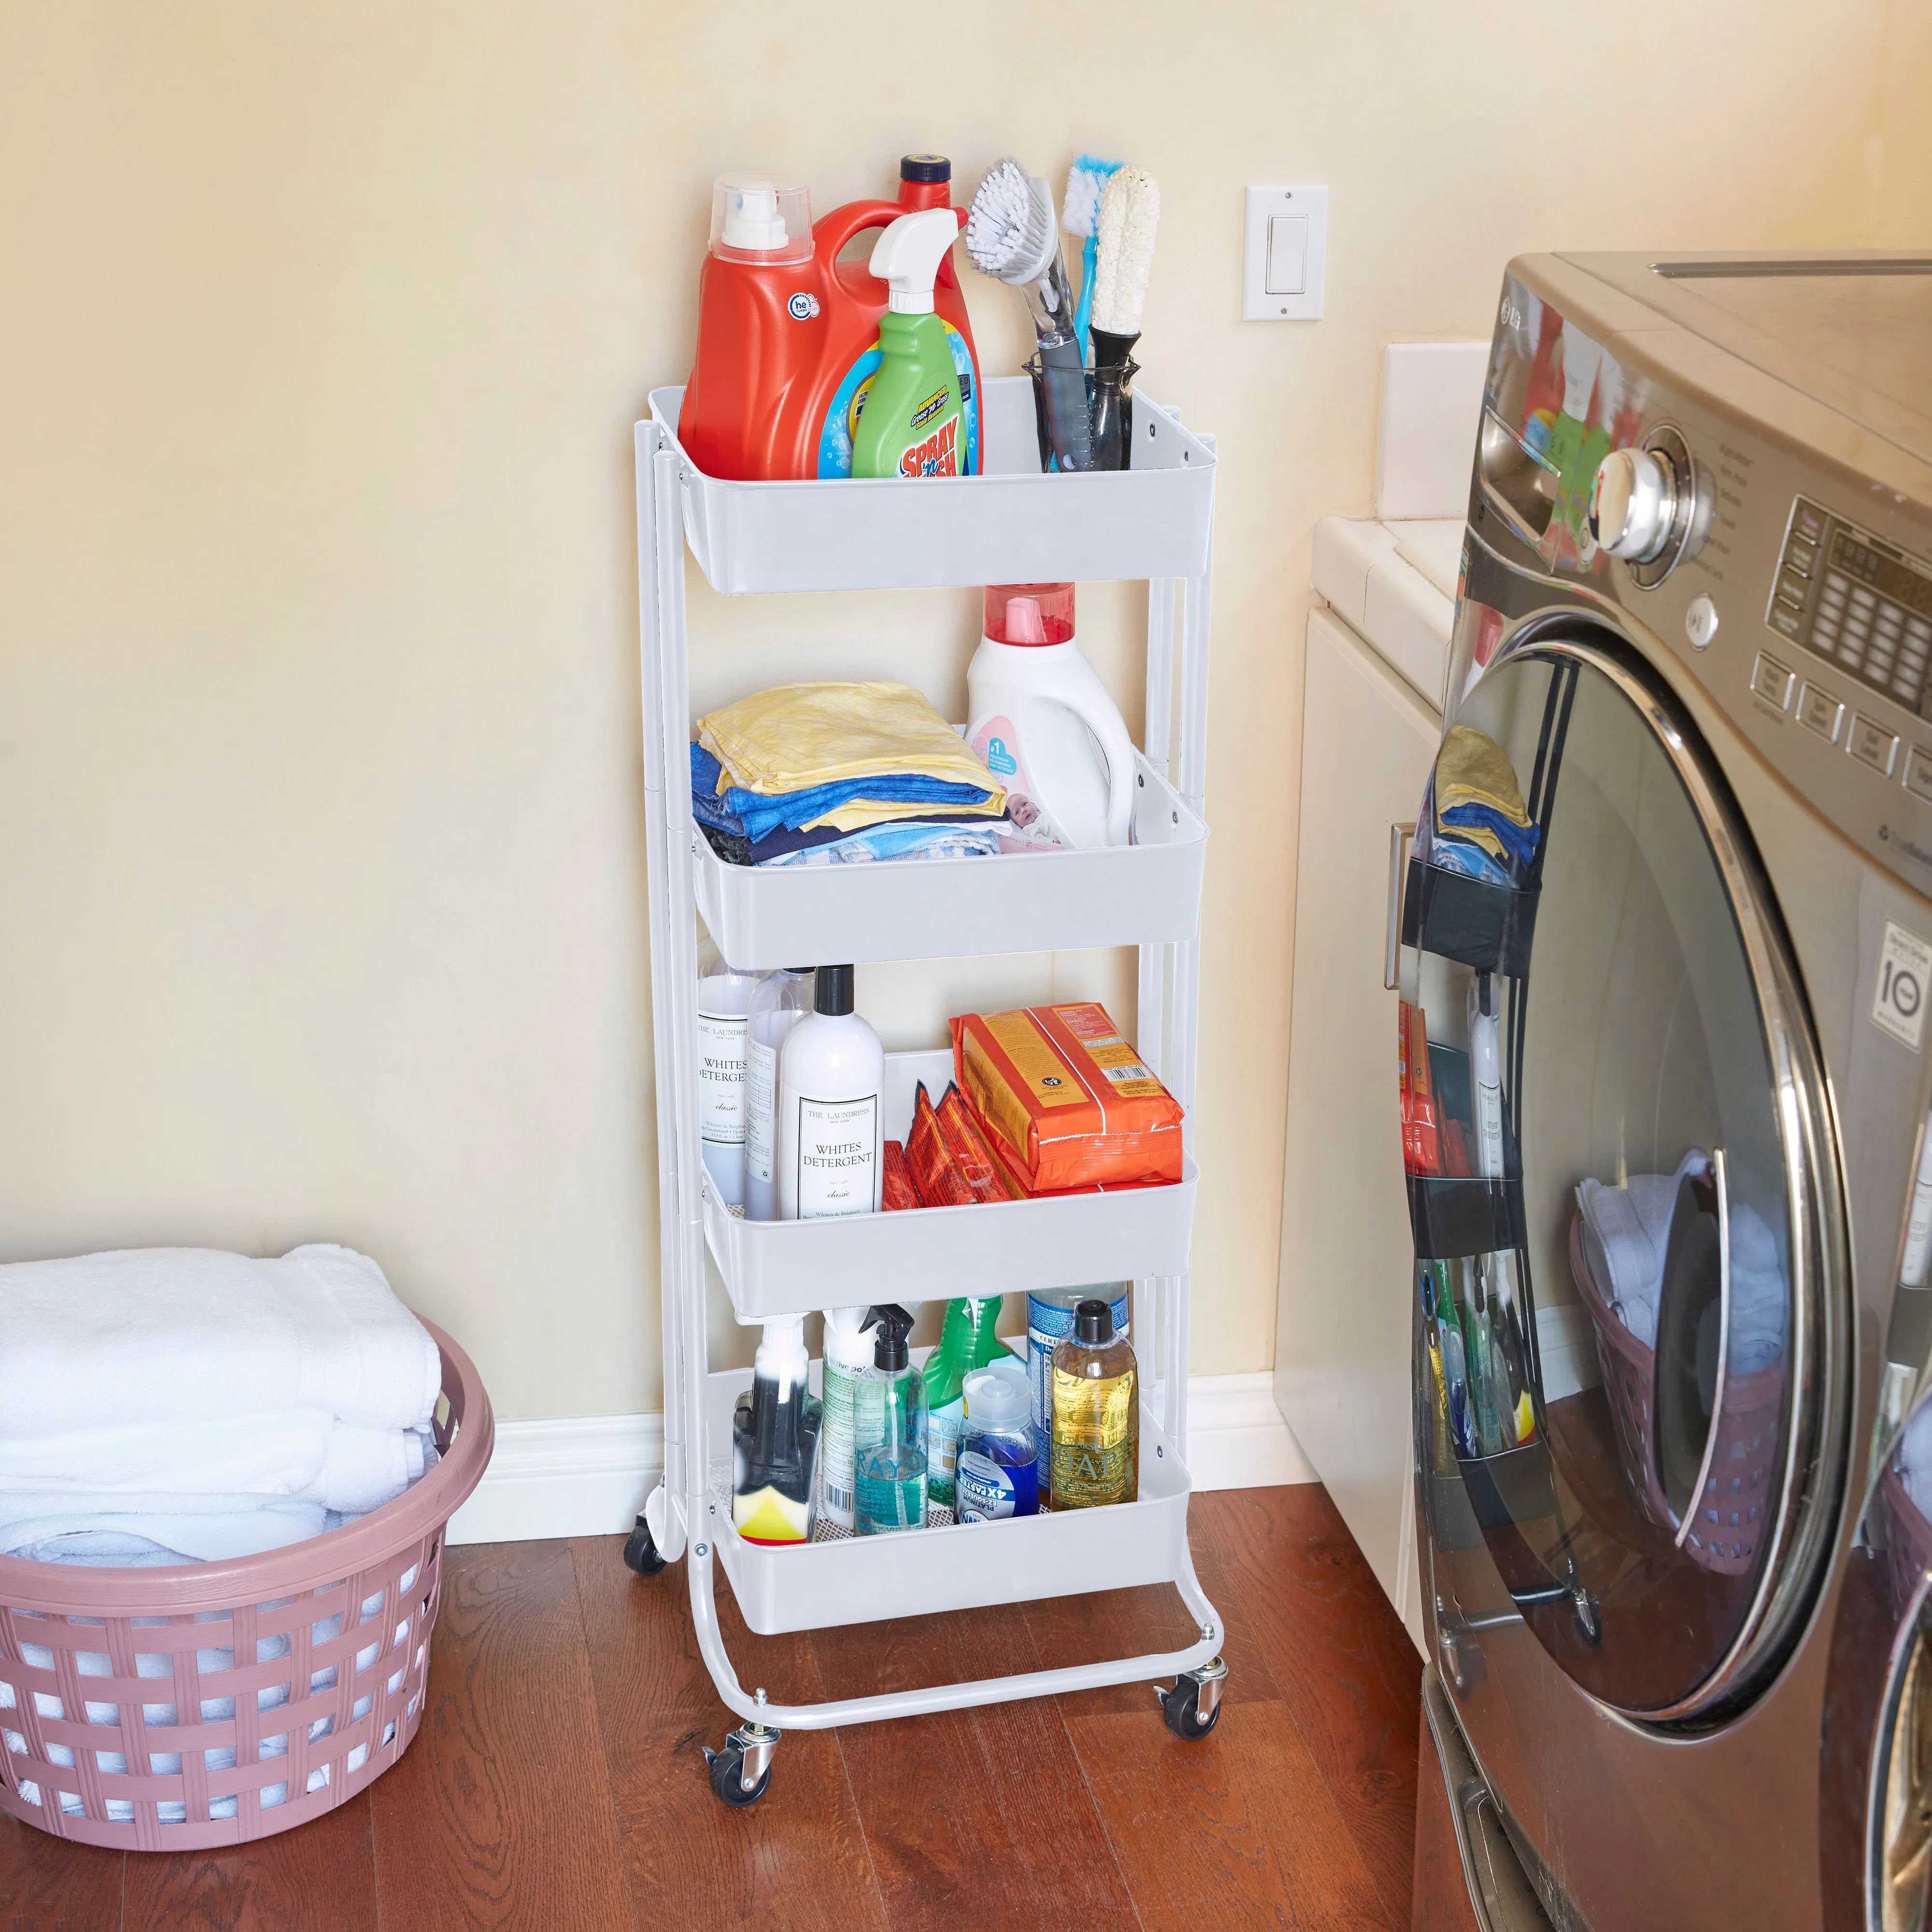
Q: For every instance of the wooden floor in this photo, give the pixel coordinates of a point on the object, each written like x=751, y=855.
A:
x=558, y=1781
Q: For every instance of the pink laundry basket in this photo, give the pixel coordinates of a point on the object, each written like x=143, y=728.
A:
x=132, y=1701
x=1730, y=1514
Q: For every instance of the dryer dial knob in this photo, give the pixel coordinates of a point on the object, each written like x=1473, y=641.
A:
x=1633, y=503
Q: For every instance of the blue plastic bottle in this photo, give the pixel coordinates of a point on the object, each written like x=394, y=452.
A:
x=996, y=1476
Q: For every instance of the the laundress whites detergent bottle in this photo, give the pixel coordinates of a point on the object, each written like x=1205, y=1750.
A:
x=788, y=334
x=913, y=420
x=1041, y=718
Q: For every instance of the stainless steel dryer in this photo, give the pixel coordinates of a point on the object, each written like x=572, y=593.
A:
x=1667, y=924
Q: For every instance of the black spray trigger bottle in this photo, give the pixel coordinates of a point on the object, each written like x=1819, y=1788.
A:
x=774, y=1441
x=888, y=1431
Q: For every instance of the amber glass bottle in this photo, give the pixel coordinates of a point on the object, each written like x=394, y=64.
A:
x=1096, y=1433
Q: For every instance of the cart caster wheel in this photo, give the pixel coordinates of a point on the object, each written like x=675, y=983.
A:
x=753, y=1742
x=727, y=1779
x=641, y=1550
x=1192, y=1708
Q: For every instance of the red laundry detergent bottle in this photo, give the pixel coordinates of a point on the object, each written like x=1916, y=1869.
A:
x=788, y=335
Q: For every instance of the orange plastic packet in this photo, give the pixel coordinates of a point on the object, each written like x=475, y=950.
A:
x=1421, y=1146
x=934, y=1173
x=1423, y=1089
x=974, y=1156
x=896, y=1184
x=1065, y=1099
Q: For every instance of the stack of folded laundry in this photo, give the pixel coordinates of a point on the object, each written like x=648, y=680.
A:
x=1627, y=1243
x=1481, y=827
x=179, y=1405
x=835, y=774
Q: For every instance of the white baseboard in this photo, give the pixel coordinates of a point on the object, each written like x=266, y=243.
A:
x=588, y=1475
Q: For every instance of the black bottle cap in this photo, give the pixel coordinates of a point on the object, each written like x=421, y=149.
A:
x=925, y=168
x=895, y=1325
x=1093, y=1324
x=831, y=990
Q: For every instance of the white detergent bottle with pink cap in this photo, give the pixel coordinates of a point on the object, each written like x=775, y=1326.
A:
x=1042, y=720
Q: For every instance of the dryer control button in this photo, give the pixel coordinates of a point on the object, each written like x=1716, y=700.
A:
x=1919, y=775
x=1873, y=744
x=1772, y=680
x=1700, y=625
x=1818, y=711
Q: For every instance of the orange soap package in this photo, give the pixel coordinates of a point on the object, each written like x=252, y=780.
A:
x=947, y=1161
x=1065, y=1099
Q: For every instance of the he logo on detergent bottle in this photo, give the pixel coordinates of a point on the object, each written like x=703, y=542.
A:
x=999, y=759
x=938, y=455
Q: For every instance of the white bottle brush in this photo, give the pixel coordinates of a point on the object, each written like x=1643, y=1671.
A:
x=1129, y=214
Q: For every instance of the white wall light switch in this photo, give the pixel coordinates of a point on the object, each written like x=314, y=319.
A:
x=1284, y=263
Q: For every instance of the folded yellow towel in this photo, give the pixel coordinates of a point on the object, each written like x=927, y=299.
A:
x=1471, y=770
x=795, y=736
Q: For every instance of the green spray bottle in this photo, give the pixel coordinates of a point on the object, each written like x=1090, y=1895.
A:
x=966, y=1343
x=913, y=422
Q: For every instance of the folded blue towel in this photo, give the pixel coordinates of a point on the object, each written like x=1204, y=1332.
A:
x=1519, y=841
x=756, y=815
x=1450, y=854
x=899, y=840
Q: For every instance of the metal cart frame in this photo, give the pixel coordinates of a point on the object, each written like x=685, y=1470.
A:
x=683, y=1517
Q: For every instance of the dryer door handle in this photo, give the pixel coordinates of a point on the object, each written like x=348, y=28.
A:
x=1400, y=836
x=1696, y=1501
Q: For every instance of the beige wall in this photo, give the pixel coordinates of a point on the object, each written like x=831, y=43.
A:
x=321, y=329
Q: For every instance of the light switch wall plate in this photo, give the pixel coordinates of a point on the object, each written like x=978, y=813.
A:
x=1285, y=259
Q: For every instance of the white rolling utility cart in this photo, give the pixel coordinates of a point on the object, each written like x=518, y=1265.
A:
x=1012, y=524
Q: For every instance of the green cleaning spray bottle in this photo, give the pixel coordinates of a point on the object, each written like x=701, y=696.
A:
x=912, y=421
x=966, y=1343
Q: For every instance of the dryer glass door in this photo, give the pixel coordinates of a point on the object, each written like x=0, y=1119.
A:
x=1623, y=1343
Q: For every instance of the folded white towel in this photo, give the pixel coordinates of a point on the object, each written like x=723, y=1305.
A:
x=150, y=1336
x=62, y=1529
x=1626, y=1239
x=1626, y=1242
x=261, y=1455
x=366, y=1467
x=305, y=1456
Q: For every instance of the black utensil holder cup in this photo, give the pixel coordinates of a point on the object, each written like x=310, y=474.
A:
x=1085, y=417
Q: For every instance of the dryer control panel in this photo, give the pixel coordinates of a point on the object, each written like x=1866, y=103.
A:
x=1865, y=608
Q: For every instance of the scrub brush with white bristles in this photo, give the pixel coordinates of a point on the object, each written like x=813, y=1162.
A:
x=1129, y=214
x=1011, y=235
x=1080, y=214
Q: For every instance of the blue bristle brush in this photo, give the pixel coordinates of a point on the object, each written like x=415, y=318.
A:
x=1080, y=214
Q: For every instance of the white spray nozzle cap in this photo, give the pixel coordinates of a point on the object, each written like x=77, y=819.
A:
x=906, y=257
x=999, y=1395
x=751, y=217
x=1025, y=625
